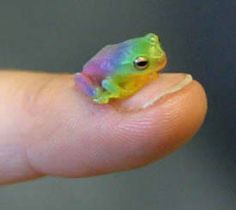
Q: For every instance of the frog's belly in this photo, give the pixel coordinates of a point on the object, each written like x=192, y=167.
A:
x=134, y=84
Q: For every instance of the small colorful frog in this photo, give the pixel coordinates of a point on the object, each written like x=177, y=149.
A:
x=120, y=70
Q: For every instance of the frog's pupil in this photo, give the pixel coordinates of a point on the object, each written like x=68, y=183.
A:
x=142, y=63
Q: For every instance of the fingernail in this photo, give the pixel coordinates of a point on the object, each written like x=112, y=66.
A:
x=172, y=89
x=165, y=84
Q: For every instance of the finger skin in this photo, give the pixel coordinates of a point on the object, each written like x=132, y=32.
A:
x=50, y=128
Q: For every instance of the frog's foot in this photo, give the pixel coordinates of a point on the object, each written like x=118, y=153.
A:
x=103, y=96
x=101, y=100
x=85, y=84
x=100, y=97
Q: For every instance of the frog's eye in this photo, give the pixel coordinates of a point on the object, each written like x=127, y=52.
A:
x=141, y=63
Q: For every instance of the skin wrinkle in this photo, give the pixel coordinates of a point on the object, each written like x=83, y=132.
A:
x=27, y=107
x=32, y=100
x=17, y=167
x=45, y=108
x=67, y=126
x=31, y=167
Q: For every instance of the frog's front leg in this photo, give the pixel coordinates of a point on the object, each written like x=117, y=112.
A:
x=117, y=89
x=110, y=90
x=99, y=94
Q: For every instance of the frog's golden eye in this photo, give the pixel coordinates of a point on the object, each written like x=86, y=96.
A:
x=141, y=63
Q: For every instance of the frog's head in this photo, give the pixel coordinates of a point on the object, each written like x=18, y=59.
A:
x=136, y=56
x=142, y=55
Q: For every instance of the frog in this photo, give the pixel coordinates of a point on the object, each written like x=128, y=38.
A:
x=119, y=70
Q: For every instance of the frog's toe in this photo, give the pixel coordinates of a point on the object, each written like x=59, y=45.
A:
x=101, y=100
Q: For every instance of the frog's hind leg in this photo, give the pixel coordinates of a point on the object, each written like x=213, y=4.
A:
x=85, y=84
x=100, y=94
x=115, y=90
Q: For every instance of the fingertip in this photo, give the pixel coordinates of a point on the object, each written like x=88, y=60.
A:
x=169, y=122
x=97, y=139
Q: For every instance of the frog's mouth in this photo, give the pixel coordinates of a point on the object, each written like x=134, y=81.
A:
x=161, y=63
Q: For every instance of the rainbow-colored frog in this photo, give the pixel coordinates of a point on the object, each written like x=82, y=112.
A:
x=120, y=70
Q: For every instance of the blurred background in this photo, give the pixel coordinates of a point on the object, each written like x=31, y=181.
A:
x=199, y=37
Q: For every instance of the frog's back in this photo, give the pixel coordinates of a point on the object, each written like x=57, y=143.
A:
x=104, y=63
